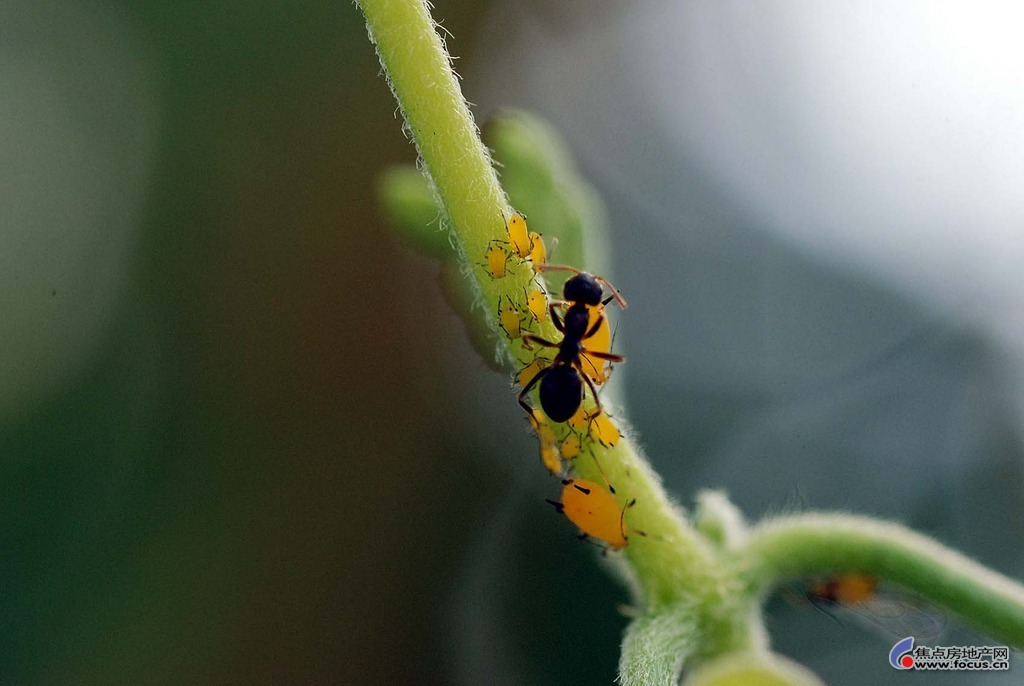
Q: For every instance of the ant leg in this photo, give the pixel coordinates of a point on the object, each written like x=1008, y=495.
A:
x=527, y=388
x=555, y=318
x=611, y=357
x=530, y=338
x=593, y=329
x=593, y=391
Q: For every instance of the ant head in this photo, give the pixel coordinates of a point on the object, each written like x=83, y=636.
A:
x=583, y=288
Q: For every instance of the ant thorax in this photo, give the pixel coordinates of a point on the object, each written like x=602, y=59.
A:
x=577, y=319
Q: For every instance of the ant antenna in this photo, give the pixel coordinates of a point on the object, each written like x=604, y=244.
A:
x=615, y=291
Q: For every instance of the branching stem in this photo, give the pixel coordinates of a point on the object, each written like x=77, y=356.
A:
x=698, y=589
x=816, y=545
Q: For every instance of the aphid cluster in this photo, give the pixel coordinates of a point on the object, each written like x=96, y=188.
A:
x=567, y=423
x=522, y=243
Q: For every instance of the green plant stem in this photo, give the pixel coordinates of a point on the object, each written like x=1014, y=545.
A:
x=655, y=648
x=719, y=520
x=672, y=558
x=418, y=69
x=816, y=545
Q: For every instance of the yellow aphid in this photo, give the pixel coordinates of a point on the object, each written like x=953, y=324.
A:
x=578, y=420
x=604, y=430
x=571, y=447
x=551, y=458
x=544, y=431
x=496, y=257
x=600, y=342
x=538, y=253
x=549, y=453
x=510, y=318
x=537, y=303
x=518, y=235
x=594, y=511
x=531, y=370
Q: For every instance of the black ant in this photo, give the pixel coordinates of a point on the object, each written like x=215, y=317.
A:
x=561, y=384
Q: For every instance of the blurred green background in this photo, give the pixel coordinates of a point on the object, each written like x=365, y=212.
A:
x=224, y=459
